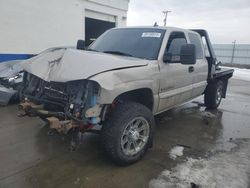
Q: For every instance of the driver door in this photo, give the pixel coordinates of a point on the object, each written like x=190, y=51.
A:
x=176, y=79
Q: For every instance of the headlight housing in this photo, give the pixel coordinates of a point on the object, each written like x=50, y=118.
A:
x=18, y=78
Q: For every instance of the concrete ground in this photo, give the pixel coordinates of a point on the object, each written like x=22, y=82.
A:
x=30, y=158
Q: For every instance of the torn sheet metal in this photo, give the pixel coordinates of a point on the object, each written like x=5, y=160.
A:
x=63, y=64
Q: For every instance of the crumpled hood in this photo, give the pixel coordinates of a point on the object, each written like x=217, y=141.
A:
x=62, y=64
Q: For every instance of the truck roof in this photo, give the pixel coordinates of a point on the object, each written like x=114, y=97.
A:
x=157, y=27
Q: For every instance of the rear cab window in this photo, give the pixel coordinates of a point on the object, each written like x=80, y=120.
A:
x=196, y=40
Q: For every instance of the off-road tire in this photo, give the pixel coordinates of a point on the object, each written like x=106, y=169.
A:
x=113, y=128
x=211, y=94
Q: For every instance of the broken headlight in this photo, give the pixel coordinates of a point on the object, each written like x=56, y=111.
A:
x=18, y=78
x=82, y=96
x=12, y=81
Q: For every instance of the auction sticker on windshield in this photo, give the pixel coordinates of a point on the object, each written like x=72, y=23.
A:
x=151, y=34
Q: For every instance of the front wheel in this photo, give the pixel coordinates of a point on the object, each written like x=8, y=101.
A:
x=127, y=134
x=213, y=95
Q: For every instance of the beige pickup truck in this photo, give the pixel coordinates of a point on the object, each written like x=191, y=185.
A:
x=120, y=82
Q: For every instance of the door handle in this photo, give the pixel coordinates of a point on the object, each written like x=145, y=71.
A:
x=190, y=69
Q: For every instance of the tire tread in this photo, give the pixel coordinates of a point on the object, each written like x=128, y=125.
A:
x=111, y=129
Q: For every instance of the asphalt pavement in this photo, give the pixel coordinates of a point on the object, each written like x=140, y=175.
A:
x=210, y=148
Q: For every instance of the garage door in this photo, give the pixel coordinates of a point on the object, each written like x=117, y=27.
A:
x=97, y=23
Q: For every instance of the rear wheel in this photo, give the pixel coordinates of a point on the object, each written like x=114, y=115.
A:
x=127, y=134
x=213, y=95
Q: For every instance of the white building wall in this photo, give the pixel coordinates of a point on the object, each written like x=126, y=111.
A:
x=30, y=26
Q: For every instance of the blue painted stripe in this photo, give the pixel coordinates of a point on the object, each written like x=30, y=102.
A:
x=8, y=57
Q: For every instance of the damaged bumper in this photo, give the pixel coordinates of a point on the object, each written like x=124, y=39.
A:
x=60, y=121
x=52, y=118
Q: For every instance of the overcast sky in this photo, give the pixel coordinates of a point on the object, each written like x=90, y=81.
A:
x=225, y=20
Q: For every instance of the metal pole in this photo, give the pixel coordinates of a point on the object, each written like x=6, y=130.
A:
x=165, y=16
x=232, y=59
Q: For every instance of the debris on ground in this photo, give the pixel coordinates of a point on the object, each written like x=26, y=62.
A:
x=175, y=152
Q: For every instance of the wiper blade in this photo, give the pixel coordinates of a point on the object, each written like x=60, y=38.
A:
x=92, y=50
x=118, y=53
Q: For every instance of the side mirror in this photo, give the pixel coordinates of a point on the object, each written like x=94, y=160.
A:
x=219, y=63
x=167, y=57
x=188, y=54
x=80, y=45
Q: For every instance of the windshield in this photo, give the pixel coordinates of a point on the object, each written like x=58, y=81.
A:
x=137, y=42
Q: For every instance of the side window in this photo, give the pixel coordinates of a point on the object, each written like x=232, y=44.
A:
x=194, y=39
x=207, y=54
x=175, y=41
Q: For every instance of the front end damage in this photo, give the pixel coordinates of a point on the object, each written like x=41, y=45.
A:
x=62, y=87
x=64, y=106
x=11, y=77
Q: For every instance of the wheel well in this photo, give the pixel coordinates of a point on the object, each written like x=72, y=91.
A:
x=143, y=96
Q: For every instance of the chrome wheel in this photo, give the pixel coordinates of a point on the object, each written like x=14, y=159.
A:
x=135, y=136
x=219, y=94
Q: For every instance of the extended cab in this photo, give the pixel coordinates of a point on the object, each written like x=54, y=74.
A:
x=120, y=82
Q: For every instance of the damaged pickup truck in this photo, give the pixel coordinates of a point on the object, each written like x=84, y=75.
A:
x=120, y=82
x=11, y=77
